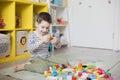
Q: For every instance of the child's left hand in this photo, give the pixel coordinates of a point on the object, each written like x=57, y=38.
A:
x=54, y=40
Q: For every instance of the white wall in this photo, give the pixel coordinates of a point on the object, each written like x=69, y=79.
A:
x=94, y=23
x=116, y=43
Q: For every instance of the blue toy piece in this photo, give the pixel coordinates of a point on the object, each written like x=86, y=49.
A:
x=92, y=76
x=54, y=73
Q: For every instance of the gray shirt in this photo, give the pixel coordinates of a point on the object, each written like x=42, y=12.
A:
x=35, y=49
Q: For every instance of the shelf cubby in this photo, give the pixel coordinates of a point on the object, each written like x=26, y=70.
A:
x=7, y=14
x=24, y=12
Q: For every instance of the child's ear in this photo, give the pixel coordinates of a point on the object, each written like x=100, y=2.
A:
x=36, y=24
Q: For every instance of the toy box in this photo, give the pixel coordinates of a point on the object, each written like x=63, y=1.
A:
x=4, y=45
x=57, y=2
x=21, y=42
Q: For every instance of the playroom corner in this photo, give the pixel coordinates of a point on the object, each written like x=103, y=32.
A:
x=59, y=39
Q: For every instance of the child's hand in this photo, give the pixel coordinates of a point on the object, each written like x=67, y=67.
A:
x=54, y=40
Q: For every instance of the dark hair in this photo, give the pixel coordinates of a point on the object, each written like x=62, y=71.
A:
x=44, y=16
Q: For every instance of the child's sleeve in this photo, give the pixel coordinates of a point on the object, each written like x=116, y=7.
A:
x=32, y=45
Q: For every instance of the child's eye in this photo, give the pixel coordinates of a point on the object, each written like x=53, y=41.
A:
x=42, y=27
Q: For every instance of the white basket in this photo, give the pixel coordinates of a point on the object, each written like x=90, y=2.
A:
x=4, y=45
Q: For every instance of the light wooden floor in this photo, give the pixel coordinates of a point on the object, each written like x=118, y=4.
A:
x=107, y=59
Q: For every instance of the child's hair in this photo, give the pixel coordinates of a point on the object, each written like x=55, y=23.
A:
x=44, y=16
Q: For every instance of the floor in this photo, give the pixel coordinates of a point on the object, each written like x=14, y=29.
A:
x=105, y=59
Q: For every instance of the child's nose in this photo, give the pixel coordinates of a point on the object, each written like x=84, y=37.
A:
x=44, y=29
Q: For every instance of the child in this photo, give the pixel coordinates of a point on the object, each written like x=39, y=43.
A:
x=38, y=42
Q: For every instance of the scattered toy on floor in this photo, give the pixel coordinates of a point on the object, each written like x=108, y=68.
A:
x=79, y=72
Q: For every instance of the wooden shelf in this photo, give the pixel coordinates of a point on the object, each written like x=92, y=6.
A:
x=59, y=20
x=25, y=9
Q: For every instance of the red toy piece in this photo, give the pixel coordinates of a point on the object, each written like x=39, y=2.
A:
x=74, y=78
x=106, y=76
x=79, y=74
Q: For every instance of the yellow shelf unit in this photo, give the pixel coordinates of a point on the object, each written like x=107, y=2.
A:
x=25, y=9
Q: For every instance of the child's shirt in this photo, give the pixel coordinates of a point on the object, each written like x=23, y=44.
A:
x=35, y=49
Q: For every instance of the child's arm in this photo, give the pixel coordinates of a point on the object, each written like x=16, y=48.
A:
x=33, y=44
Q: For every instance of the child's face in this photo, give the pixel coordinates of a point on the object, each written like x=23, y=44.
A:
x=43, y=27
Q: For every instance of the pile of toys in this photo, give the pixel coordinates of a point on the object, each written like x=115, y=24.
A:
x=61, y=21
x=78, y=72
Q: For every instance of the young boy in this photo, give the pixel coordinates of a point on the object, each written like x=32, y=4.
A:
x=38, y=41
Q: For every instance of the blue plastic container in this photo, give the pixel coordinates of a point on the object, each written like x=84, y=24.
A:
x=57, y=2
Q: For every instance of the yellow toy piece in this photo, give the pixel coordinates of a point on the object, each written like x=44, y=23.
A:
x=49, y=37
